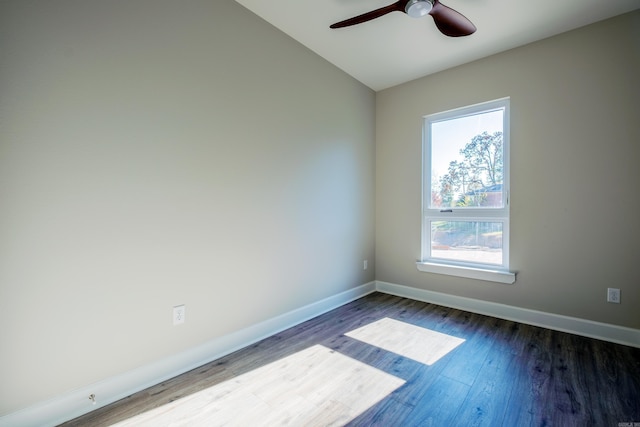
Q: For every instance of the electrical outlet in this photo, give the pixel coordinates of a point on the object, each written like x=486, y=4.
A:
x=365, y=264
x=613, y=295
x=178, y=314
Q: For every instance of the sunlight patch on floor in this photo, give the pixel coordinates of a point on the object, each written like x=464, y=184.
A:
x=420, y=344
x=316, y=386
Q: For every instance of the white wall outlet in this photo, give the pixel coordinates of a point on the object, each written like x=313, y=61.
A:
x=179, y=312
x=365, y=264
x=613, y=295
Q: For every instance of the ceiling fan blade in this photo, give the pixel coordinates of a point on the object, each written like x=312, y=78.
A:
x=397, y=6
x=450, y=22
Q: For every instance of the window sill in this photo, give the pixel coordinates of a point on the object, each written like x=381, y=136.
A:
x=468, y=272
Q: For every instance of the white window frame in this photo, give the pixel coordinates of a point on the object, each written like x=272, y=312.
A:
x=481, y=271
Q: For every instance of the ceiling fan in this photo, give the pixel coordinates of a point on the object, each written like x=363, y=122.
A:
x=450, y=22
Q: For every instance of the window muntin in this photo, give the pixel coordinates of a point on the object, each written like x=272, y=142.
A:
x=466, y=183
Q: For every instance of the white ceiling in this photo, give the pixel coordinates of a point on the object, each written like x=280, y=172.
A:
x=395, y=48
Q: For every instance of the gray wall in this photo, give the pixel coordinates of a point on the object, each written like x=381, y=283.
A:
x=575, y=152
x=155, y=153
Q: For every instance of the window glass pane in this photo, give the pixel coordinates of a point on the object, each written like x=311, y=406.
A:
x=467, y=241
x=467, y=161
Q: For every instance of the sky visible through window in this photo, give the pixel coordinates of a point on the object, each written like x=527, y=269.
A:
x=448, y=137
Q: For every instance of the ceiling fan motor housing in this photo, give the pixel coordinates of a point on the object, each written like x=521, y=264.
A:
x=418, y=8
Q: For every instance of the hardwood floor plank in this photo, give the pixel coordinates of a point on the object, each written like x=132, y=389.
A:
x=439, y=405
x=485, y=402
x=616, y=374
x=465, y=364
x=568, y=397
x=530, y=378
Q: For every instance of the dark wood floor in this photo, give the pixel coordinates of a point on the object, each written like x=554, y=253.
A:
x=504, y=374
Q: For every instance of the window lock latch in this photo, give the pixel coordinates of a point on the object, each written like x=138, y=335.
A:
x=446, y=210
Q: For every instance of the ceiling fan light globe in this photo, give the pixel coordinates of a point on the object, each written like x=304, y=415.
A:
x=418, y=8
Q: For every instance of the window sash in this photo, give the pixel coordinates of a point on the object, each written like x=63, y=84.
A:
x=465, y=213
x=428, y=242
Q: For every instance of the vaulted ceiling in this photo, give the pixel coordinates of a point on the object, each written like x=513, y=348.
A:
x=396, y=48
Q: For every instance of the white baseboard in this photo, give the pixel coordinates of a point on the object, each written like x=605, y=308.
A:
x=76, y=403
x=587, y=328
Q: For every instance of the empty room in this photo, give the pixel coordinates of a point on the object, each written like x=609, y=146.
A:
x=218, y=212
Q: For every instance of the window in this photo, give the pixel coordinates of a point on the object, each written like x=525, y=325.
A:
x=465, y=222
